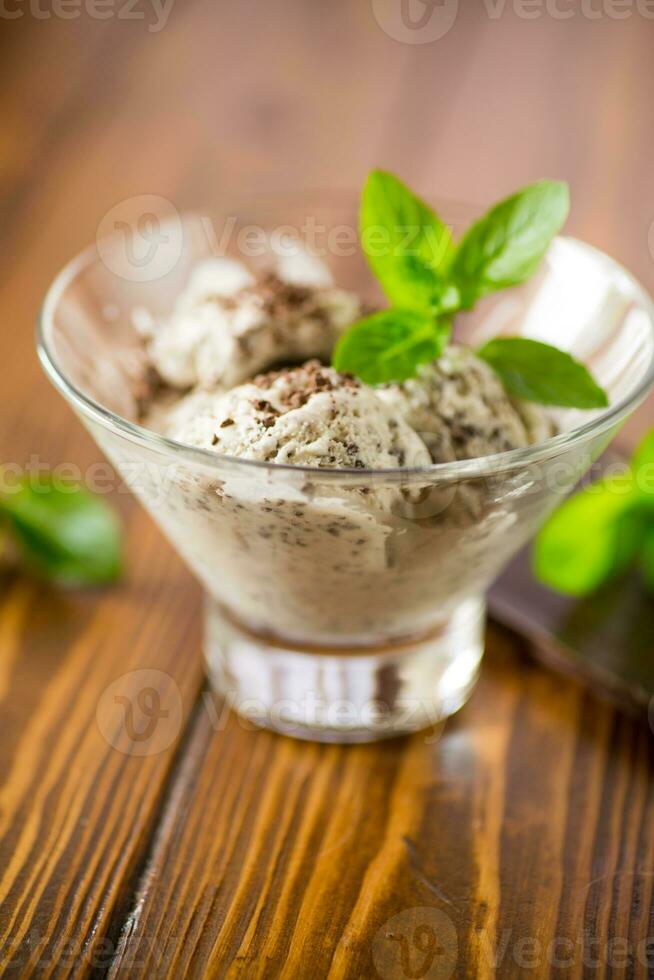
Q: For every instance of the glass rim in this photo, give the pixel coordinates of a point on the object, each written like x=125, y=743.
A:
x=482, y=466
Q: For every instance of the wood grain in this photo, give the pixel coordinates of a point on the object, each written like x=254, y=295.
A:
x=517, y=821
x=75, y=808
x=230, y=852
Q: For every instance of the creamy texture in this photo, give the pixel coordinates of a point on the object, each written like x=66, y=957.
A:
x=308, y=556
x=460, y=409
x=227, y=326
x=308, y=415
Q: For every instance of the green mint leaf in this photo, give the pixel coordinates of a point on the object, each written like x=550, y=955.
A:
x=541, y=373
x=646, y=560
x=63, y=532
x=642, y=463
x=406, y=244
x=598, y=533
x=591, y=538
x=389, y=346
x=506, y=245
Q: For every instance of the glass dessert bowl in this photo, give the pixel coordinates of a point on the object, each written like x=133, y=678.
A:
x=342, y=604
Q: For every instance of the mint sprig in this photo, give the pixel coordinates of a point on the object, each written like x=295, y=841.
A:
x=601, y=531
x=428, y=278
x=407, y=245
x=387, y=345
x=61, y=532
x=506, y=245
x=541, y=373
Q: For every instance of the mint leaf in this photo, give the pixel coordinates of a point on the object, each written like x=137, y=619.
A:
x=412, y=254
x=642, y=463
x=593, y=536
x=647, y=559
x=63, y=532
x=406, y=244
x=541, y=373
x=506, y=245
x=599, y=532
x=389, y=346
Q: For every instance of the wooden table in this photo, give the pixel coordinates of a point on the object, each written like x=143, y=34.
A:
x=517, y=841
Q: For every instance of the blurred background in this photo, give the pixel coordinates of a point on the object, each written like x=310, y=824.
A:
x=195, y=100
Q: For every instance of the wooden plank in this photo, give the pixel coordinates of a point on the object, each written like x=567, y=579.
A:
x=231, y=850
x=76, y=812
x=76, y=802
x=518, y=826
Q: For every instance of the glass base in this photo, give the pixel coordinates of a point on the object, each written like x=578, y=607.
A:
x=346, y=693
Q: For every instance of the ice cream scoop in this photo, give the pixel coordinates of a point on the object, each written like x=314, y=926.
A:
x=461, y=410
x=309, y=415
x=227, y=326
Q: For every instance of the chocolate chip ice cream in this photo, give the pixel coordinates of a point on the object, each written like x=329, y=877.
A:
x=461, y=410
x=228, y=326
x=309, y=415
x=337, y=559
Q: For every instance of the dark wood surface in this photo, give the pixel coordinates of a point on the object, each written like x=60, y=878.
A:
x=521, y=833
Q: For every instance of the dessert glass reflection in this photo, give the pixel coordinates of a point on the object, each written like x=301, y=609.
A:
x=345, y=601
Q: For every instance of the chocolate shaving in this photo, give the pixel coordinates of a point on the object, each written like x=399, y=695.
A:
x=279, y=298
x=303, y=382
x=262, y=405
x=145, y=388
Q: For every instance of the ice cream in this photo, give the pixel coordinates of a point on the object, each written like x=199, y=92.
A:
x=460, y=409
x=345, y=533
x=299, y=554
x=227, y=326
x=309, y=415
